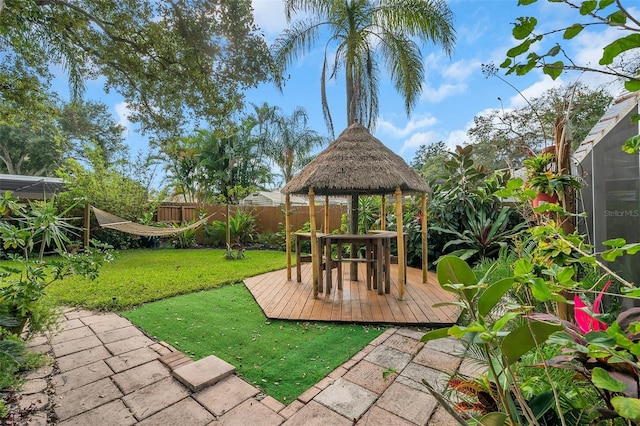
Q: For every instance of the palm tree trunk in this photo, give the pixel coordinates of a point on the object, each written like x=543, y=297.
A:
x=351, y=101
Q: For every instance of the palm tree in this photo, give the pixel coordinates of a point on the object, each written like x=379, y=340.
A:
x=364, y=33
x=290, y=141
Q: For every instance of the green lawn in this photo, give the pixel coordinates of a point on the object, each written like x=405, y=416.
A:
x=283, y=358
x=180, y=297
x=141, y=276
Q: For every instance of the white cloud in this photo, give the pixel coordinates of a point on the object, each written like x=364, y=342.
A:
x=269, y=15
x=442, y=92
x=417, y=122
x=122, y=109
x=461, y=70
x=534, y=91
x=418, y=139
x=456, y=137
x=453, y=77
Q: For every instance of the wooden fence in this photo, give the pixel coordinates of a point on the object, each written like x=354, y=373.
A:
x=268, y=219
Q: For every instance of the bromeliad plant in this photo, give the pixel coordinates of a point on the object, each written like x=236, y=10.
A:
x=542, y=179
x=26, y=233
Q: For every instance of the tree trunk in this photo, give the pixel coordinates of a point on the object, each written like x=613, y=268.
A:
x=351, y=99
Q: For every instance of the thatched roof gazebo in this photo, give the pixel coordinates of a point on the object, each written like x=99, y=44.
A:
x=357, y=163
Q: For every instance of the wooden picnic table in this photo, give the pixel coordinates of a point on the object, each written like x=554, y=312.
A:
x=377, y=258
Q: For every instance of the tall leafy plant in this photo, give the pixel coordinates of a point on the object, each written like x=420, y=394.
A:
x=466, y=205
x=28, y=233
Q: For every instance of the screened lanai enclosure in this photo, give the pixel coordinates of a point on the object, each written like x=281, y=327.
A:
x=611, y=183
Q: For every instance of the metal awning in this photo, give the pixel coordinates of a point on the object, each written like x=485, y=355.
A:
x=31, y=187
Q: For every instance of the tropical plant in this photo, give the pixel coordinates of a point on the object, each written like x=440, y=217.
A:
x=606, y=357
x=288, y=141
x=484, y=234
x=543, y=179
x=30, y=232
x=185, y=239
x=242, y=227
x=366, y=33
x=502, y=337
x=467, y=206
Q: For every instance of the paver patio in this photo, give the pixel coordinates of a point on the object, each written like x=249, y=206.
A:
x=127, y=378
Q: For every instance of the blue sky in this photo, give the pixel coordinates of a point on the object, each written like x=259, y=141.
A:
x=454, y=91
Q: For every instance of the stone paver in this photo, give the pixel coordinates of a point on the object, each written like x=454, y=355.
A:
x=110, y=373
x=389, y=358
x=471, y=368
x=186, y=412
x=273, y=404
x=113, y=413
x=204, y=372
x=155, y=397
x=78, y=313
x=36, y=401
x=107, y=323
x=370, y=376
x=81, y=358
x=436, y=359
x=347, y=398
x=404, y=344
x=131, y=359
x=410, y=332
x=442, y=418
x=71, y=324
x=379, y=417
x=414, y=374
x=447, y=345
x=77, y=345
x=225, y=395
x=34, y=386
x=250, y=413
x=73, y=334
x=40, y=373
x=138, y=377
x=408, y=403
x=72, y=379
x=85, y=398
x=127, y=345
x=315, y=414
x=119, y=334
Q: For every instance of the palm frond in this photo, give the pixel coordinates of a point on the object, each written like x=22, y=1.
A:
x=404, y=61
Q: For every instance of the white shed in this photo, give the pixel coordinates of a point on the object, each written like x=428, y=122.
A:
x=270, y=198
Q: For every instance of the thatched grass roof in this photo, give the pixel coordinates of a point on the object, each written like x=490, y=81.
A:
x=356, y=163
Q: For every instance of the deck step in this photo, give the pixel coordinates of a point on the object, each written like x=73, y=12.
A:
x=174, y=360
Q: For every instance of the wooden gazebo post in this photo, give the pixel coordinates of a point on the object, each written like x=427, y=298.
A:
x=425, y=263
x=383, y=212
x=401, y=261
x=326, y=214
x=314, y=246
x=287, y=225
x=87, y=226
x=355, y=213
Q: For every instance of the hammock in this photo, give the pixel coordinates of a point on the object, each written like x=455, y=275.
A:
x=110, y=221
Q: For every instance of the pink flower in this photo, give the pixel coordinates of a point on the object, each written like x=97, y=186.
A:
x=585, y=321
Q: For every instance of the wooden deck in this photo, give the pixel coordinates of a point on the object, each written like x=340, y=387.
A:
x=291, y=300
